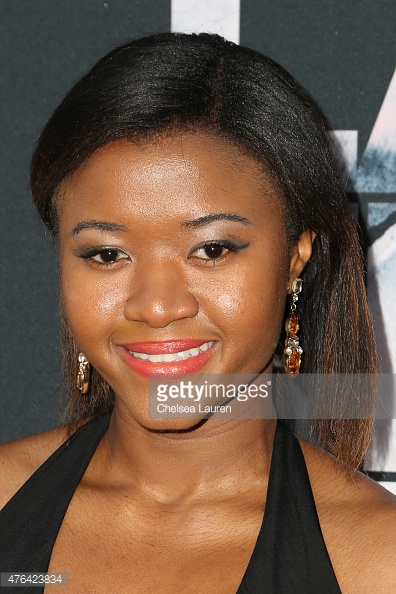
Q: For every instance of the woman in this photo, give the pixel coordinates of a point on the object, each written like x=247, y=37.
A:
x=189, y=184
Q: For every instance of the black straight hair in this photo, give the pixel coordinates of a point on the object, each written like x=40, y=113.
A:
x=166, y=83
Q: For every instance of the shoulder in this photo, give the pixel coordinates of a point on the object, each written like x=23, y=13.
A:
x=19, y=459
x=358, y=521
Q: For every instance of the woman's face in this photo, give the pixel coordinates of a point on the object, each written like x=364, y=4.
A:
x=170, y=246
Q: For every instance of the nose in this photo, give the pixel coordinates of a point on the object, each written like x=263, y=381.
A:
x=159, y=295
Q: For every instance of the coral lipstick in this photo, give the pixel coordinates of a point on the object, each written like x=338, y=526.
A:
x=167, y=358
x=168, y=346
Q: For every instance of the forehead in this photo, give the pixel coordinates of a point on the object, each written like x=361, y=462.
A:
x=183, y=175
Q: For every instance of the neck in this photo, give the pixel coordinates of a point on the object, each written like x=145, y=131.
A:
x=215, y=457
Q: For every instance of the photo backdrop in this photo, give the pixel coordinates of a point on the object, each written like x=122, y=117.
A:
x=344, y=53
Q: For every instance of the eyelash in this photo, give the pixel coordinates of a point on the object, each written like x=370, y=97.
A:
x=227, y=245
x=224, y=245
x=97, y=251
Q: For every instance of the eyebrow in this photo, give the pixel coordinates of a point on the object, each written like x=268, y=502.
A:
x=220, y=216
x=101, y=225
x=192, y=224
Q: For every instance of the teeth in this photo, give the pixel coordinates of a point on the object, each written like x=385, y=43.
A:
x=140, y=355
x=171, y=357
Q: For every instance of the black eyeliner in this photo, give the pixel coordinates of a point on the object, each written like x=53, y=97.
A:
x=228, y=245
x=86, y=254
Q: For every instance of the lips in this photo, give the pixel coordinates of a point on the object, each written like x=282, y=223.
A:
x=169, y=358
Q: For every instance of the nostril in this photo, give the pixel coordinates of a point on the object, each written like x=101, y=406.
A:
x=160, y=303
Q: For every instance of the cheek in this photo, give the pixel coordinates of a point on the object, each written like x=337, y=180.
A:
x=91, y=305
x=248, y=307
x=261, y=320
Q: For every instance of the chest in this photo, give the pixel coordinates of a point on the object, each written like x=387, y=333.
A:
x=164, y=549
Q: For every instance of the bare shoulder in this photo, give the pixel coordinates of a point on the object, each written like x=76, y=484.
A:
x=19, y=459
x=358, y=522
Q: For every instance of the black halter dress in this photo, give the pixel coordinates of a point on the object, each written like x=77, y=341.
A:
x=290, y=556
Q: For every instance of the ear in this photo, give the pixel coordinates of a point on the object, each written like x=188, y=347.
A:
x=300, y=254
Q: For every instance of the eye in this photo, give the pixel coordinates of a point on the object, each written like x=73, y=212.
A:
x=216, y=250
x=108, y=256
x=212, y=251
x=104, y=255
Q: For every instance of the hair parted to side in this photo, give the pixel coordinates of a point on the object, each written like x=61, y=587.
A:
x=174, y=82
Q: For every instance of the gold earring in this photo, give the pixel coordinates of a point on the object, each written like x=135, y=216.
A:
x=84, y=368
x=292, y=351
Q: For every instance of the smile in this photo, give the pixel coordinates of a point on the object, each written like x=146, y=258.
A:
x=168, y=358
x=171, y=357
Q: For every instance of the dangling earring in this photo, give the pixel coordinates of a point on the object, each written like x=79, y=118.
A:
x=84, y=368
x=293, y=351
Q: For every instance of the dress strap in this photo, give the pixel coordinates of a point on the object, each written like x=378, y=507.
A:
x=290, y=556
x=30, y=521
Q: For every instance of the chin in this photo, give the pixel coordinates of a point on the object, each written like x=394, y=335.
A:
x=172, y=425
